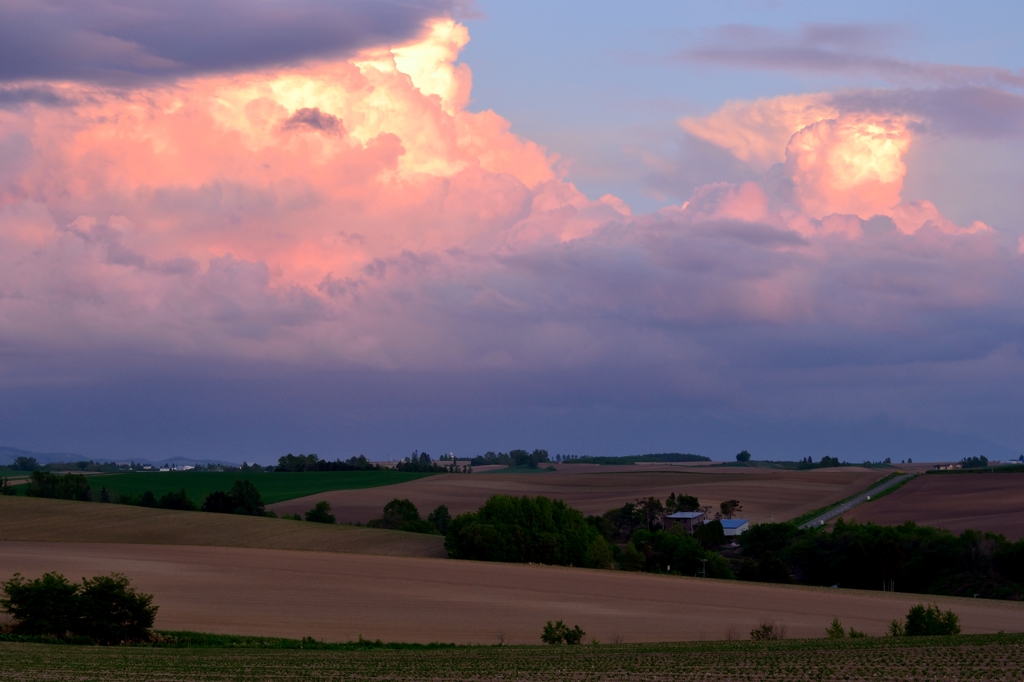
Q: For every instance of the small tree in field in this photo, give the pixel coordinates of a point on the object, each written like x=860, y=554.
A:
x=729, y=508
x=321, y=513
x=743, y=457
x=835, y=630
x=560, y=633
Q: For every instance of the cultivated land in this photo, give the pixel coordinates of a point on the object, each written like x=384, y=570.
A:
x=27, y=518
x=338, y=597
x=764, y=493
x=957, y=502
x=989, y=658
x=273, y=486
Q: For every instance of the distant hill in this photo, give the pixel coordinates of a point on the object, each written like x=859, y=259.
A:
x=8, y=455
x=633, y=459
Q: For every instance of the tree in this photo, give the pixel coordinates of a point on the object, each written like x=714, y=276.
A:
x=178, y=500
x=729, y=508
x=112, y=612
x=743, y=456
x=44, y=606
x=6, y=488
x=148, y=499
x=402, y=515
x=243, y=498
x=104, y=608
x=710, y=534
x=104, y=495
x=26, y=464
x=681, y=503
x=321, y=513
x=67, y=487
x=652, y=509
x=441, y=518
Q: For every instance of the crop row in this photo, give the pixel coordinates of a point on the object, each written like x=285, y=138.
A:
x=954, y=660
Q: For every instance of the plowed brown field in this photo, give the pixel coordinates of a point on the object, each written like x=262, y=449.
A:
x=341, y=596
x=27, y=518
x=957, y=502
x=764, y=493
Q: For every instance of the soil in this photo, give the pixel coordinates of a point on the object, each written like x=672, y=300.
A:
x=338, y=597
x=766, y=494
x=26, y=518
x=957, y=502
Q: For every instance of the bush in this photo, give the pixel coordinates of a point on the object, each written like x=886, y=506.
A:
x=105, y=608
x=930, y=621
x=835, y=630
x=559, y=633
x=6, y=488
x=321, y=513
x=66, y=487
x=767, y=630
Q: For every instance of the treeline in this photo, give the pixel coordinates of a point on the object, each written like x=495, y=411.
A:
x=313, y=462
x=906, y=558
x=513, y=458
x=29, y=464
x=421, y=462
x=403, y=515
x=633, y=459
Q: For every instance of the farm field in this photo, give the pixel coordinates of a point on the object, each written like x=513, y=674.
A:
x=27, y=518
x=338, y=597
x=957, y=502
x=987, y=658
x=764, y=493
x=273, y=486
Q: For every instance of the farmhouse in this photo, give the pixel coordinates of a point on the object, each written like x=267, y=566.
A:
x=689, y=520
x=732, y=527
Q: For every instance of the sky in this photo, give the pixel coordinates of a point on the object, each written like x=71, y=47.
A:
x=232, y=230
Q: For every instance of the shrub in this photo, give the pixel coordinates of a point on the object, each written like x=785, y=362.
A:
x=854, y=634
x=930, y=621
x=560, y=633
x=105, y=609
x=321, y=513
x=835, y=630
x=766, y=630
x=6, y=488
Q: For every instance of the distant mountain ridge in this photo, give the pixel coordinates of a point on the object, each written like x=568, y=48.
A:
x=9, y=454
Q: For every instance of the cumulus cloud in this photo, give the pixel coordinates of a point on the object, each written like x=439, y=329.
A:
x=352, y=213
x=104, y=40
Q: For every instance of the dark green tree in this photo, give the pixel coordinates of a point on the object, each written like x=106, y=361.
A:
x=112, y=612
x=178, y=500
x=743, y=456
x=44, y=606
x=321, y=513
x=441, y=518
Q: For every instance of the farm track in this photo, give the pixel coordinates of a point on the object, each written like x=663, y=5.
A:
x=765, y=493
x=338, y=597
x=33, y=519
x=819, y=661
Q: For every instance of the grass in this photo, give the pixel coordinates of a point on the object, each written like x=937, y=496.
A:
x=273, y=486
x=205, y=657
x=814, y=513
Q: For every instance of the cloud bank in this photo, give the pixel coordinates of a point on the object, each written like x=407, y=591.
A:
x=351, y=214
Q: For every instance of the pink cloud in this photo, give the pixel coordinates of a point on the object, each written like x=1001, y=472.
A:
x=353, y=211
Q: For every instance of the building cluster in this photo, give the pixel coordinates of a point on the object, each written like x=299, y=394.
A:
x=691, y=520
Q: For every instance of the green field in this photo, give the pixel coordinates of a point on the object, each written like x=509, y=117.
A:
x=274, y=486
x=977, y=657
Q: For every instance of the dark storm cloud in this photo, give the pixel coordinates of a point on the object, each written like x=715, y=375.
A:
x=853, y=49
x=106, y=40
